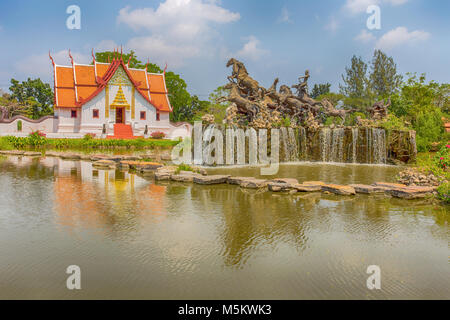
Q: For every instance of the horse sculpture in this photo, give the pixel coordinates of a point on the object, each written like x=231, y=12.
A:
x=240, y=74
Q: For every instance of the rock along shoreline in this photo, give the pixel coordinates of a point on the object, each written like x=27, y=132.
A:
x=162, y=172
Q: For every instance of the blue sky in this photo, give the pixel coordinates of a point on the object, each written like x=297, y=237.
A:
x=196, y=37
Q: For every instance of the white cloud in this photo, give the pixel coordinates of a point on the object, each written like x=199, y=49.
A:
x=365, y=36
x=178, y=29
x=358, y=6
x=332, y=25
x=40, y=65
x=106, y=45
x=285, y=16
x=252, y=50
x=400, y=36
x=161, y=51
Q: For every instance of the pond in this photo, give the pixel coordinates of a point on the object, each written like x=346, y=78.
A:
x=135, y=238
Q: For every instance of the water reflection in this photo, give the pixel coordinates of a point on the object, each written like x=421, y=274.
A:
x=175, y=240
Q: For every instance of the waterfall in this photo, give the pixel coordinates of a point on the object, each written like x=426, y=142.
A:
x=289, y=143
x=337, y=145
x=303, y=144
x=355, y=133
x=293, y=145
x=325, y=142
x=379, y=145
x=368, y=145
x=351, y=145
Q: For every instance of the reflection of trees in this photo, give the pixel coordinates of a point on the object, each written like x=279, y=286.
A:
x=252, y=219
x=24, y=171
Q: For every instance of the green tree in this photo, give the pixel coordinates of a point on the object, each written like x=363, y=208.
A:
x=320, y=89
x=355, y=79
x=384, y=79
x=35, y=94
x=218, y=109
x=422, y=105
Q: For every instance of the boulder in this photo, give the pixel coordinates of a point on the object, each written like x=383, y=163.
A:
x=184, y=176
x=141, y=165
x=339, y=189
x=306, y=187
x=208, y=180
x=285, y=180
x=389, y=185
x=167, y=169
x=314, y=183
x=70, y=156
x=237, y=180
x=131, y=158
x=253, y=184
x=104, y=164
x=52, y=154
x=13, y=152
x=410, y=192
x=279, y=187
x=98, y=157
x=166, y=156
x=162, y=175
x=32, y=154
x=363, y=188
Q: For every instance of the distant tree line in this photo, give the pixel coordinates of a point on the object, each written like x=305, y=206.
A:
x=415, y=103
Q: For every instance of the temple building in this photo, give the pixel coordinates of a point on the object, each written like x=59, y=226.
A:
x=110, y=100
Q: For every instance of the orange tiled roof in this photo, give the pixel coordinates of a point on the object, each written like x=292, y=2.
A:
x=77, y=84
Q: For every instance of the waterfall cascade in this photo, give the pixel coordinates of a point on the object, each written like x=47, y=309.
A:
x=343, y=145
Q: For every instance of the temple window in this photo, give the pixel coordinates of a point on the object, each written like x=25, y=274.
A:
x=95, y=113
x=157, y=116
x=73, y=114
x=143, y=115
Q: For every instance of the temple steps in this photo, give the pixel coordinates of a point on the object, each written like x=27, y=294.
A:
x=122, y=131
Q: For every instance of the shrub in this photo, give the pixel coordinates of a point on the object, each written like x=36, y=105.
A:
x=5, y=144
x=429, y=128
x=158, y=135
x=19, y=125
x=184, y=167
x=37, y=139
x=391, y=122
x=89, y=136
x=442, y=158
x=444, y=192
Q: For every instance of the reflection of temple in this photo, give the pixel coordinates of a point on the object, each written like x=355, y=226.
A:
x=102, y=198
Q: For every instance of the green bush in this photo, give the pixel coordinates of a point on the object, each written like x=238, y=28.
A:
x=444, y=192
x=429, y=128
x=5, y=144
x=391, y=122
x=184, y=167
x=350, y=120
x=37, y=141
x=442, y=158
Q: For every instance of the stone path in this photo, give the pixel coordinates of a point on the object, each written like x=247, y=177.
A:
x=287, y=185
